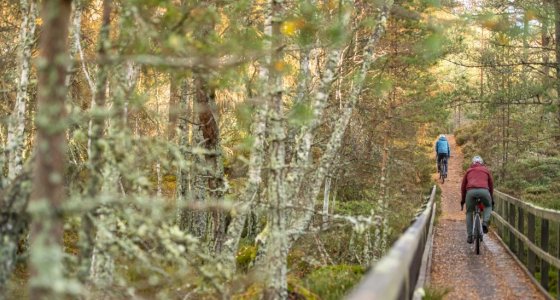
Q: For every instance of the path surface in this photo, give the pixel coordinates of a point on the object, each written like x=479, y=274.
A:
x=492, y=275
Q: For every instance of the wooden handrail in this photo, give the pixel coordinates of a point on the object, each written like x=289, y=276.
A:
x=538, y=251
x=507, y=212
x=396, y=274
x=541, y=212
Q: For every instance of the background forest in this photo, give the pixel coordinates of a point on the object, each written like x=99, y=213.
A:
x=178, y=149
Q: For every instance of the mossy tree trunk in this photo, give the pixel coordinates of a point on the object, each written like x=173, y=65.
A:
x=91, y=261
x=16, y=126
x=557, y=65
x=46, y=253
x=184, y=186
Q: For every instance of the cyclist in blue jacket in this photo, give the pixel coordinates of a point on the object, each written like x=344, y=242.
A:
x=442, y=150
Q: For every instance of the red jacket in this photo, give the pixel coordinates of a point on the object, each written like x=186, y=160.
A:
x=477, y=176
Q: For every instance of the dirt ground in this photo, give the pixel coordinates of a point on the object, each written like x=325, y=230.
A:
x=493, y=274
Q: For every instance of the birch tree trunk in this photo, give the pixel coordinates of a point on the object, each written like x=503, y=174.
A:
x=207, y=115
x=300, y=224
x=102, y=261
x=174, y=100
x=326, y=198
x=16, y=125
x=199, y=219
x=557, y=65
x=256, y=159
x=75, y=28
x=381, y=231
x=88, y=255
x=158, y=131
x=277, y=243
x=183, y=176
x=46, y=253
x=250, y=193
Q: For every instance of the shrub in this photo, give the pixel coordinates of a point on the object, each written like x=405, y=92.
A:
x=245, y=256
x=333, y=282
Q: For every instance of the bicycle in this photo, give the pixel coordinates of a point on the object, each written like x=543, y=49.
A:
x=442, y=169
x=477, y=225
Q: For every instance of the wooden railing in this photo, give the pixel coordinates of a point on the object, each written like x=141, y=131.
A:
x=399, y=273
x=526, y=230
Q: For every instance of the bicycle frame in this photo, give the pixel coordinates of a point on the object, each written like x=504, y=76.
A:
x=442, y=170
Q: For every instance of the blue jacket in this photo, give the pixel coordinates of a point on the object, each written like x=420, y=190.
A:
x=442, y=146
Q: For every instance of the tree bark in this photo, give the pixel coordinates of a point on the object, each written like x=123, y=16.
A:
x=326, y=200
x=16, y=125
x=545, y=40
x=174, y=100
x=277, y=243
x=382, y=230
x=557, y=53
x=46, y=252
x=96, y=153
x=207, y=117
x=75, y=29
x=14, y=222
x=183, y=176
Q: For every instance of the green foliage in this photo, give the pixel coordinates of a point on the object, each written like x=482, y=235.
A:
x=356, y=208
x=333, y=282
x=435, y=293
x=300, y=115
x=531, y=176
x=300, y=262
x=297, y=290
x=432, y=47
x=245, y=256
x=223, y=42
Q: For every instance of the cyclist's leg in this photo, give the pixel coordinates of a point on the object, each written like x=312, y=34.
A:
x=437, y=161
x=446, y=163
x=469, y=203
x=440, y=157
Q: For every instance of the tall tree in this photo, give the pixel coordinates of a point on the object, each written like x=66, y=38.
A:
x=92, y=260
x=16, y=126
x=46, y=252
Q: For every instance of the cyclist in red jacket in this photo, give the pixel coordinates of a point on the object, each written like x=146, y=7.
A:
x=477, y=183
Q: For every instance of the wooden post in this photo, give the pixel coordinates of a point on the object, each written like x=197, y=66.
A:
x=520, y=225
x=544, y=246
x=531, y=236
x=511, y=220
x=500, y=211
x=558, y=255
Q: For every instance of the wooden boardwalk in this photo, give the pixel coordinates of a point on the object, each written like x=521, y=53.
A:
x=492, y=275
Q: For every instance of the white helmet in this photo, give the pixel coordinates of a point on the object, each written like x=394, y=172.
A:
x=477, y=160
x=442, y=136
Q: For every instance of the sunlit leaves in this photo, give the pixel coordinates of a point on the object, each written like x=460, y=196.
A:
x=281, y=66
x=291, y=27
x=494, y=22
x=530, y=15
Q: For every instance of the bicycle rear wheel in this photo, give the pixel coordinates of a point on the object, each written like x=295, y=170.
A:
x=443, y=171
x=477, y=234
